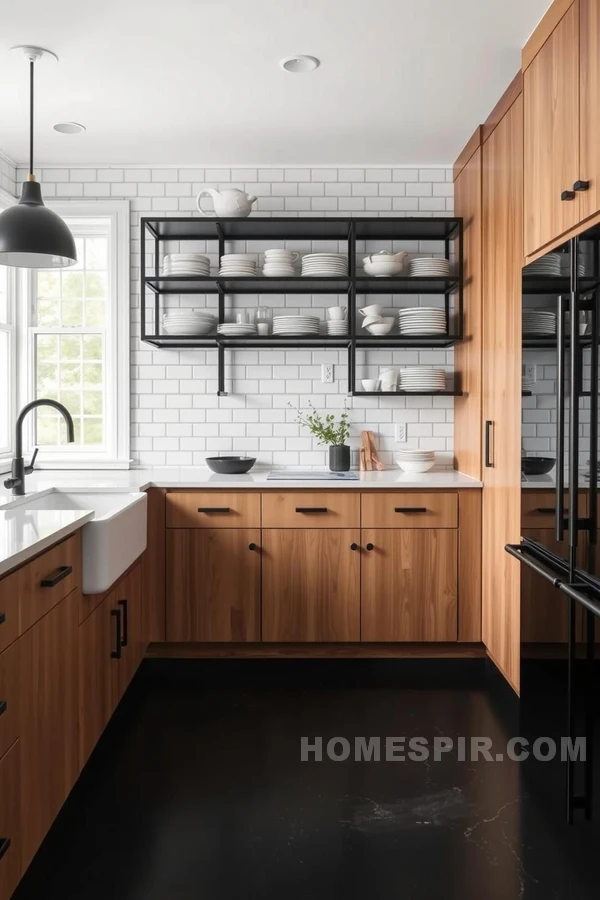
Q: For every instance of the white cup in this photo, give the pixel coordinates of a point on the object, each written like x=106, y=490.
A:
x=374, y=310
x=336, y=313
x=262, y=328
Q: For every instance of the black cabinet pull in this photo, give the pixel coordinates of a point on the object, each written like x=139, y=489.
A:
x=123, y=605
x=2, y=618
x=581, y=185
x=550, y=511
x=214, y=509
x=488, y=459
x=353, y=546
x=4, y=845
x=311, y=509
x=252, y=546
x=116, y=653
x=410, y=509
x=370, y=547
x=567, y=195
x=3, y=706
x=61, y=573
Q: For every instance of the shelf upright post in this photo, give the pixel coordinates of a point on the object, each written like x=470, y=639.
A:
x=221, y=370
x=460, y=280
x=352, y=306
x=156, y=275
x=143, y=281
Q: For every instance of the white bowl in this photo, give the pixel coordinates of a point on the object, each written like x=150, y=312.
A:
x=379, y=328
x=382, y=268
x=410, y=466
x=372, y=320
x=370, y=384
x=374, y=310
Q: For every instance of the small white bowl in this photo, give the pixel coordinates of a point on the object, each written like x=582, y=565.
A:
x=374, y=310
x=380, y=328
x=372, y=320
x=411, y=466
x=382, y=268
x=370, y=384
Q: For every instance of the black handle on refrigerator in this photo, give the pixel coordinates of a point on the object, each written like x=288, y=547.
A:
x=574, y=394
x=524, y=555
x=488, y=459
x=594, y=404
x=560, y=417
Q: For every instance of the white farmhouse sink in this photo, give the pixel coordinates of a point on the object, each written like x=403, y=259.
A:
x=114, y=538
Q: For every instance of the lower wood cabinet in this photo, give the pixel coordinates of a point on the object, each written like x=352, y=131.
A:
x=95, y=697
x=125, y=612
x=10, y=821
x=48, y=720
x=409, y=584
x=213, y=584
x=311, y=584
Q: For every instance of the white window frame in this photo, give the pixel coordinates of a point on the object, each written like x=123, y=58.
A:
x=6, y=453
x=116, y=452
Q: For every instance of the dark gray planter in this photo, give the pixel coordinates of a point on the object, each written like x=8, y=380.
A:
x=339, y=458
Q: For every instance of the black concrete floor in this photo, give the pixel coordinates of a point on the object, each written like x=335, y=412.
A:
x=197, y=791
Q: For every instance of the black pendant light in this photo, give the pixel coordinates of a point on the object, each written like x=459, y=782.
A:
x=31, y=235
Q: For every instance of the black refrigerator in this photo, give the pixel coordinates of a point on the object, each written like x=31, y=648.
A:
x=560, y=594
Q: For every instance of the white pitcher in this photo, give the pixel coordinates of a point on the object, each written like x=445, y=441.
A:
x=232, y=203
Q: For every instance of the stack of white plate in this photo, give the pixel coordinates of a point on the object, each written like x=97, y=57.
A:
x=325, y=264
x=415, y=460
x=279, y=263
x=186, y=264
x=422, y=320
x=430, y=267
x=186, y=321
x=235, y=329
x=539, y=321
x=295, y=325
x=337, y=327
x=546, y=265
x=237, y=265
x=421, y=379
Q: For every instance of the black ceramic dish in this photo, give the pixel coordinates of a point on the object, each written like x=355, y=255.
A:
x=537, y=465
x=230, y=465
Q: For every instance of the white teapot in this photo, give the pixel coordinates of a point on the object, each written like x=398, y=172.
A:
x=232, y=203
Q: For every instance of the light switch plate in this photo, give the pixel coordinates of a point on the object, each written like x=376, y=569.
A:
x=400, y=432
x=326, y=374
x=530, y=373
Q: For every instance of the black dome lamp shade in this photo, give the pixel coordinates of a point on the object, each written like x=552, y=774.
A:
x=31, y=235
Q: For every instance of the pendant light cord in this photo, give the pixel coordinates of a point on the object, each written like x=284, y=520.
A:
x=31, y=65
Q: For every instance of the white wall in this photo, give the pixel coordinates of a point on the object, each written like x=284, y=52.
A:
x=8, y=175
x=177, y=419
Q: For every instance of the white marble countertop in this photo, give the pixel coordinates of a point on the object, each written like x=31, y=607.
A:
x=202, y=477
x=25, y=533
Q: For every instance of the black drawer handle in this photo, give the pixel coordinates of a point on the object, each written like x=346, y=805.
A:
x=123, y=605
x=116, y=653
x=410, y=509
x=581, y=185
x=353, y=546
x=549, y=511
x=3, y=706
x=370, y=547
x=567, y=195
x=4, y=845
x=252, y=546
x=214, y=509
x=311, y=509
x=52, y=580
x=488, y=458
x=2, y=618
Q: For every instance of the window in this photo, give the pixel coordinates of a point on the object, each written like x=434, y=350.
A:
x=76, y=343
x=7, y=355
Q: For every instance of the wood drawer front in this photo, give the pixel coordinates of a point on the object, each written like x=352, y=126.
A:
x=9, y=706
x=213, y=509
x=10, y=821
x=538, y=508
x=311, y=509
x=404, y=510
x=9, y=610
x=48, y=579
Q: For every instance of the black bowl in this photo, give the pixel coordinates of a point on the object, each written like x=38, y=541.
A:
x=230, y=465
x=537, y=465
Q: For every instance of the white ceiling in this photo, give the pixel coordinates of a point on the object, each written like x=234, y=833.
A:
x=198, y=82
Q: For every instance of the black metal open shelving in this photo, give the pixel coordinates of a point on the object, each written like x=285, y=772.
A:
x=351, y=230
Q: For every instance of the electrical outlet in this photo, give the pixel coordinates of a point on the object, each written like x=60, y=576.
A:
x=400, y=432
x=531, y=373
x=326, y=374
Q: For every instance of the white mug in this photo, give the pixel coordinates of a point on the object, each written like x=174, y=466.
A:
x=336, y=313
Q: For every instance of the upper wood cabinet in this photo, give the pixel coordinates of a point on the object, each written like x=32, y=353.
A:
x=561, y=124
x=551, y=136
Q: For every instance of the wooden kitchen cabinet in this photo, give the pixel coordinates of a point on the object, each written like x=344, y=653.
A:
x=311, y=584
x=9, y=697
x=48, y=719
x=124, y=614
x=213, y=584
x=10, y=821
x=409, y=584
x=95, y=699
x=551, y=135
x=589, y=106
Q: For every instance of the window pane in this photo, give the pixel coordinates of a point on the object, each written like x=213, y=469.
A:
x=73, y=297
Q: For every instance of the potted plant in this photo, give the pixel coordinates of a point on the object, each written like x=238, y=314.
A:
x=330, y=431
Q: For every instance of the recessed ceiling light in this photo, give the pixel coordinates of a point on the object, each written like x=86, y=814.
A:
x=300, y=63
x=69, y=127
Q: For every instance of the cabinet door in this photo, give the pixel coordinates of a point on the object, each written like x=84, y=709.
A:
x=501, y=501
x=213, y=584
x=49, y=706
x=10, y=821
x=129, y=601
x=551, y=150
x=94, y=680
x=311, y=584
x=409, y=584
x=589, y=105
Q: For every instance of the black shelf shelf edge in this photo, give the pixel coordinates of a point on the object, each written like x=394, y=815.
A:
x=449, y=393
x=400, y=341
x=297, y=284
x=407, y=284
x=541, y=343
x=324, y=340
x=554, y=284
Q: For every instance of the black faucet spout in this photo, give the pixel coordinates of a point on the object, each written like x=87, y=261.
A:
x=17, y=480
